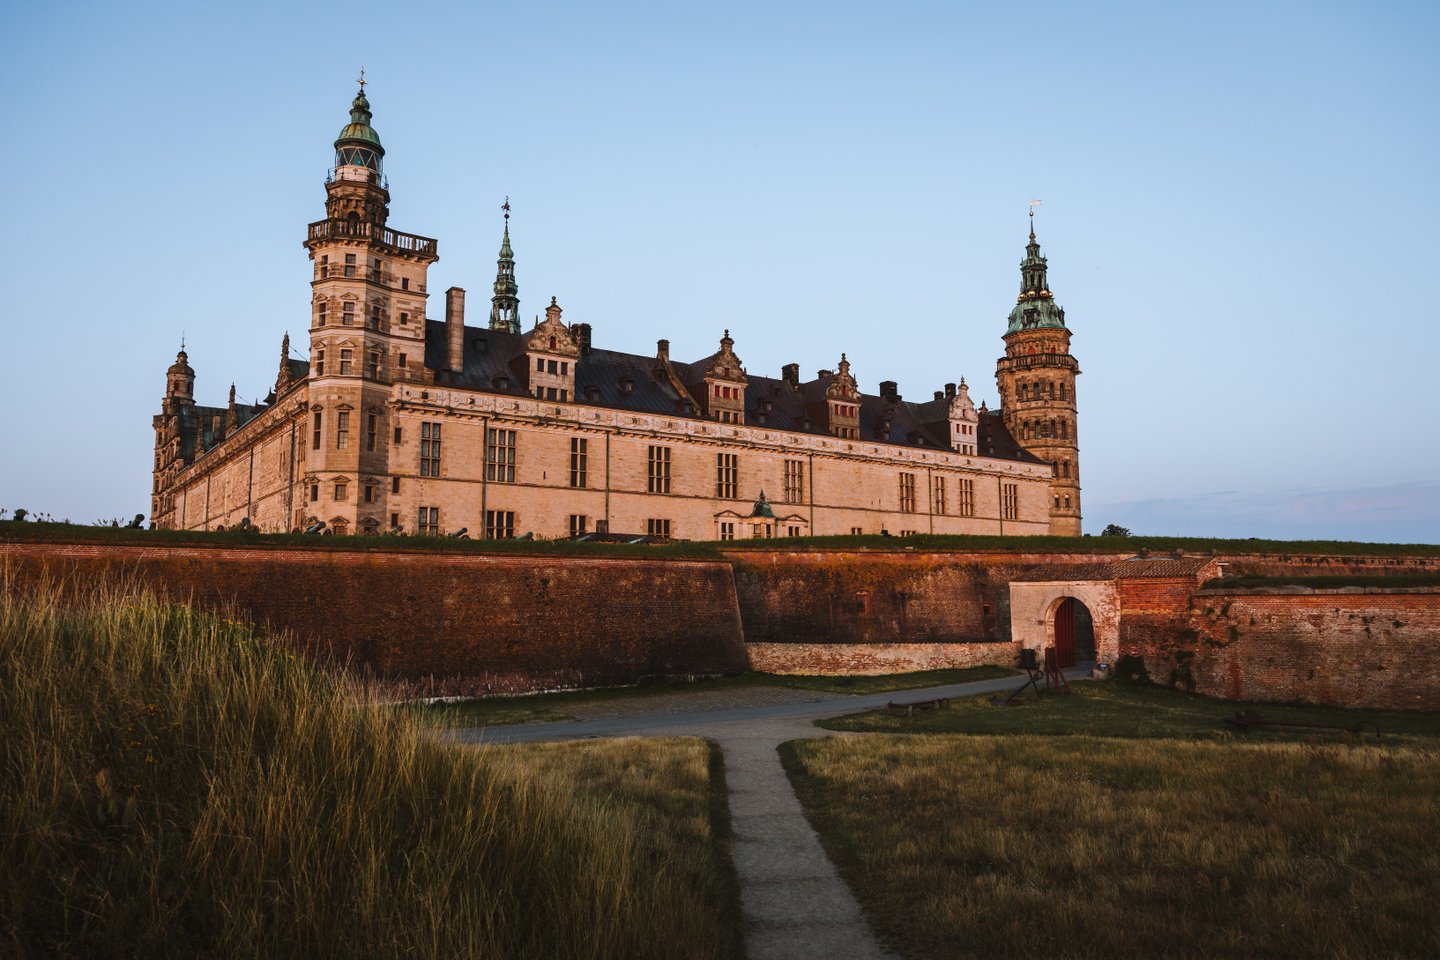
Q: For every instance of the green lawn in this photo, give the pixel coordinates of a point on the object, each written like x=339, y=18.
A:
x=1081, y=846
x=547, y=707
x=1114, y=708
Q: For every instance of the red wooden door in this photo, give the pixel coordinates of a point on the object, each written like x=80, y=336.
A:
x=1065, y=633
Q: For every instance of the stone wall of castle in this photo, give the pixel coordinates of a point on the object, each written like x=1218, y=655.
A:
x=445, y=623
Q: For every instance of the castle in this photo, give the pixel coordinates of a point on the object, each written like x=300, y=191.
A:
x=402, y=423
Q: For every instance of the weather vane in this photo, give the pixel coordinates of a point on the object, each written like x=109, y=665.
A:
x=1033, y=205
x=506, y=207
x=362, y=79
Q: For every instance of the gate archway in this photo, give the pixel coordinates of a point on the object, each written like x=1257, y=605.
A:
x=1072, y=632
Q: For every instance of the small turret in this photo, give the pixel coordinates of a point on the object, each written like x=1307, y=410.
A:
x=505, y=305
x=179, y=382
x=282, y=380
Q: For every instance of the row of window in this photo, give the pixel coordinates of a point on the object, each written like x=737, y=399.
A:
x=939, y=495
x=347, y=314
x=500, y=460
x=1041, y=390
x=350, y=269
x=1038, y=429
x=1066, y=498
x=347, y=359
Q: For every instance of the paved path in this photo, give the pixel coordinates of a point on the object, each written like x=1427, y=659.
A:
x=794, y=904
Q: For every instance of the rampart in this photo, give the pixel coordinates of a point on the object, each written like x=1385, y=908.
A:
x=471, y=621
x=446, y=622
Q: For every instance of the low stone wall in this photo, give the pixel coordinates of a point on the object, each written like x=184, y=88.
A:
x=1358, y=647
x=876, y=659
x=444, y=623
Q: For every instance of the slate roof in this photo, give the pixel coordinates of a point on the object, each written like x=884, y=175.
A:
x=1131, y=568
x=492, y=362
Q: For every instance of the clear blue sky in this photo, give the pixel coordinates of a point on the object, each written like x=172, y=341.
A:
x=1238, y=209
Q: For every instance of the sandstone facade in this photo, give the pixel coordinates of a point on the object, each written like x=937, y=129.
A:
x=402, y=423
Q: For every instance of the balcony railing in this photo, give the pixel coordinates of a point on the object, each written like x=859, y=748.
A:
x=363, y=230
x=1040, y=360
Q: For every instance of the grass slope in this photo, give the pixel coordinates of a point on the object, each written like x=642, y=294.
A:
x=67, y=532
x=1076, y=846
x=172, y=785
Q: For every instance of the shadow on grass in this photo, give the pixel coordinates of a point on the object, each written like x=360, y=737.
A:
x=1114, y=708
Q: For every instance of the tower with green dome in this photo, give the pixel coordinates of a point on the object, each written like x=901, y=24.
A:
x=505, y=305
x=1036, y=378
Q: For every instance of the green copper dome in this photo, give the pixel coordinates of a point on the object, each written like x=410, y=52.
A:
x=1036, y=306
x=358, y=144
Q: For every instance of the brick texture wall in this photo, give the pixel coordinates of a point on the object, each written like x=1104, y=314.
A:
x=1370, y=648
x=876, y=659
x=882, y=597
x=447, y=623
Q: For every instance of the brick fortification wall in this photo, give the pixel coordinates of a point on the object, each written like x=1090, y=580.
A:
x=1350, y=647
x=875, y=612
x=502, y=623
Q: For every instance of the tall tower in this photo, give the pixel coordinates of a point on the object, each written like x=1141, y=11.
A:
x=1036, y=378
x=177, y=408
x=505, y=305
x=367, y=331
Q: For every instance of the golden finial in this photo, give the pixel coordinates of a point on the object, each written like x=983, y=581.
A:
x=362, y=79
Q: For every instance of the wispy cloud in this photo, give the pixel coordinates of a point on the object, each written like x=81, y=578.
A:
x=1401, y=512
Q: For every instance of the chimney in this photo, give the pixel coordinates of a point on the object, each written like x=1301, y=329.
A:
x=939, y=395
x=889, y=390
x=662, y=349
x=949, y=390
x=824, y=374
x=582, y=338
x=455, y=328
x=790, y=373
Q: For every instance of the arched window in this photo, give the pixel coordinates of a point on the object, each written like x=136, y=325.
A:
x=1062, y=391
x=552, y=343
x=1052, y=389
x=1065, y=429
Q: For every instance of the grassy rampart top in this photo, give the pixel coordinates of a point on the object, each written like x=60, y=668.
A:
x=712, y=550
x=1409, y=582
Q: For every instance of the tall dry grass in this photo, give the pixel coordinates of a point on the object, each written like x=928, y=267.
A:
x=1031, y=846
x=173, y=785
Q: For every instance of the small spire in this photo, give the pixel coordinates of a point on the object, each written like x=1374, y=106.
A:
x=362, y=79
x=232, y=396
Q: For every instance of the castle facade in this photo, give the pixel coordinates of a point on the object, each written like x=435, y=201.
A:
x=402, y=423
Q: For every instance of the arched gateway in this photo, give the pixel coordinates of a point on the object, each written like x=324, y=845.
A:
x=1078, y=608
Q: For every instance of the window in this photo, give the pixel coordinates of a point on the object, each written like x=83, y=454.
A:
x=372, y=427
x=792, y=531
x=345, y=357
x=429, y=449
x=314, y=493
x=1067, y=501
x=316, y=439
x=347, y=314
x=856, y=531
x=342, y=490
x=374, y=269
x=539, y=365
x=394, y=520
x=1064, y=430
x=657, y=477
x=1065, y=468
x=401, y=363
x=342, y=430
x=794, y=481
x=1062, y=391
x=324, y=266
x=579, y=461
x=320, y=313
x=907, y=493
x=319, y=363
x=967, y=498
x=429, y=521
x=499, y=525
x=369, y=493
x=404, y=318
x=404, y=283
x=727, y=531
x=552, y=366
x=349, y=264
x=394, y=484
x=938, y=496
x=564, y=368
x=397, y=434
x=1009, y=501
x=657, y=528
x=579, y=525
x=1057, y=501
x=760, y=531
x=375, y=315
x=374, y=367
x=727, y=471
x=500, y=455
